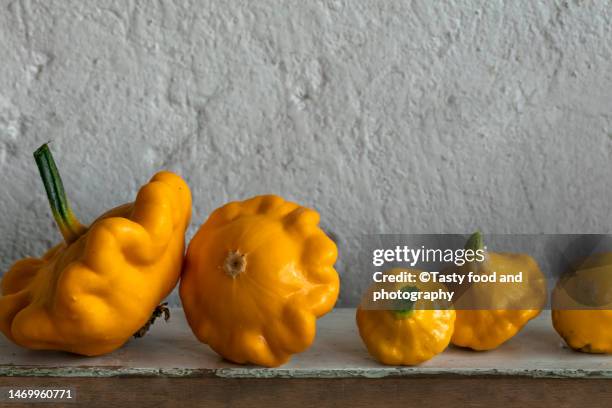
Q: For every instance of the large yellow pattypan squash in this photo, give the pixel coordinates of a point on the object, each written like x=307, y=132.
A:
x=257, y=275
x=91, y=293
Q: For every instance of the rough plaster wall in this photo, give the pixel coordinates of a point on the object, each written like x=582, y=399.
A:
x=386, y=116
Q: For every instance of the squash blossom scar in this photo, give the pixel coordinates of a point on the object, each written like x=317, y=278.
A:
x=235, y=264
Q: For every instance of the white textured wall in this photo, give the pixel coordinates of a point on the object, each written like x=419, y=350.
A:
x=386, y=116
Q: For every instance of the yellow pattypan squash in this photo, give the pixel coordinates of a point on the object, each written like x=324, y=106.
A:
x=582, y=305
x=91, y=293
x=412, y=333
x=489, y=314
x=257, y=275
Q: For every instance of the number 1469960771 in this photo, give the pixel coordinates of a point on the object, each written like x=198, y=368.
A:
x=9, y=394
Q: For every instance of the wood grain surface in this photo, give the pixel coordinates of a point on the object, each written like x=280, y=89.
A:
x=424, y=392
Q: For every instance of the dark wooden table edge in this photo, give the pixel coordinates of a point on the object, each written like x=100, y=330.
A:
x=424, y=391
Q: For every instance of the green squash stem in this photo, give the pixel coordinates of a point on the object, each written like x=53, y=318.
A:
x=405, y=307
x=475, y=242
x=67, y=223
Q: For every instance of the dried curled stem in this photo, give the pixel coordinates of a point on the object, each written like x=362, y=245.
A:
x=160, y=310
